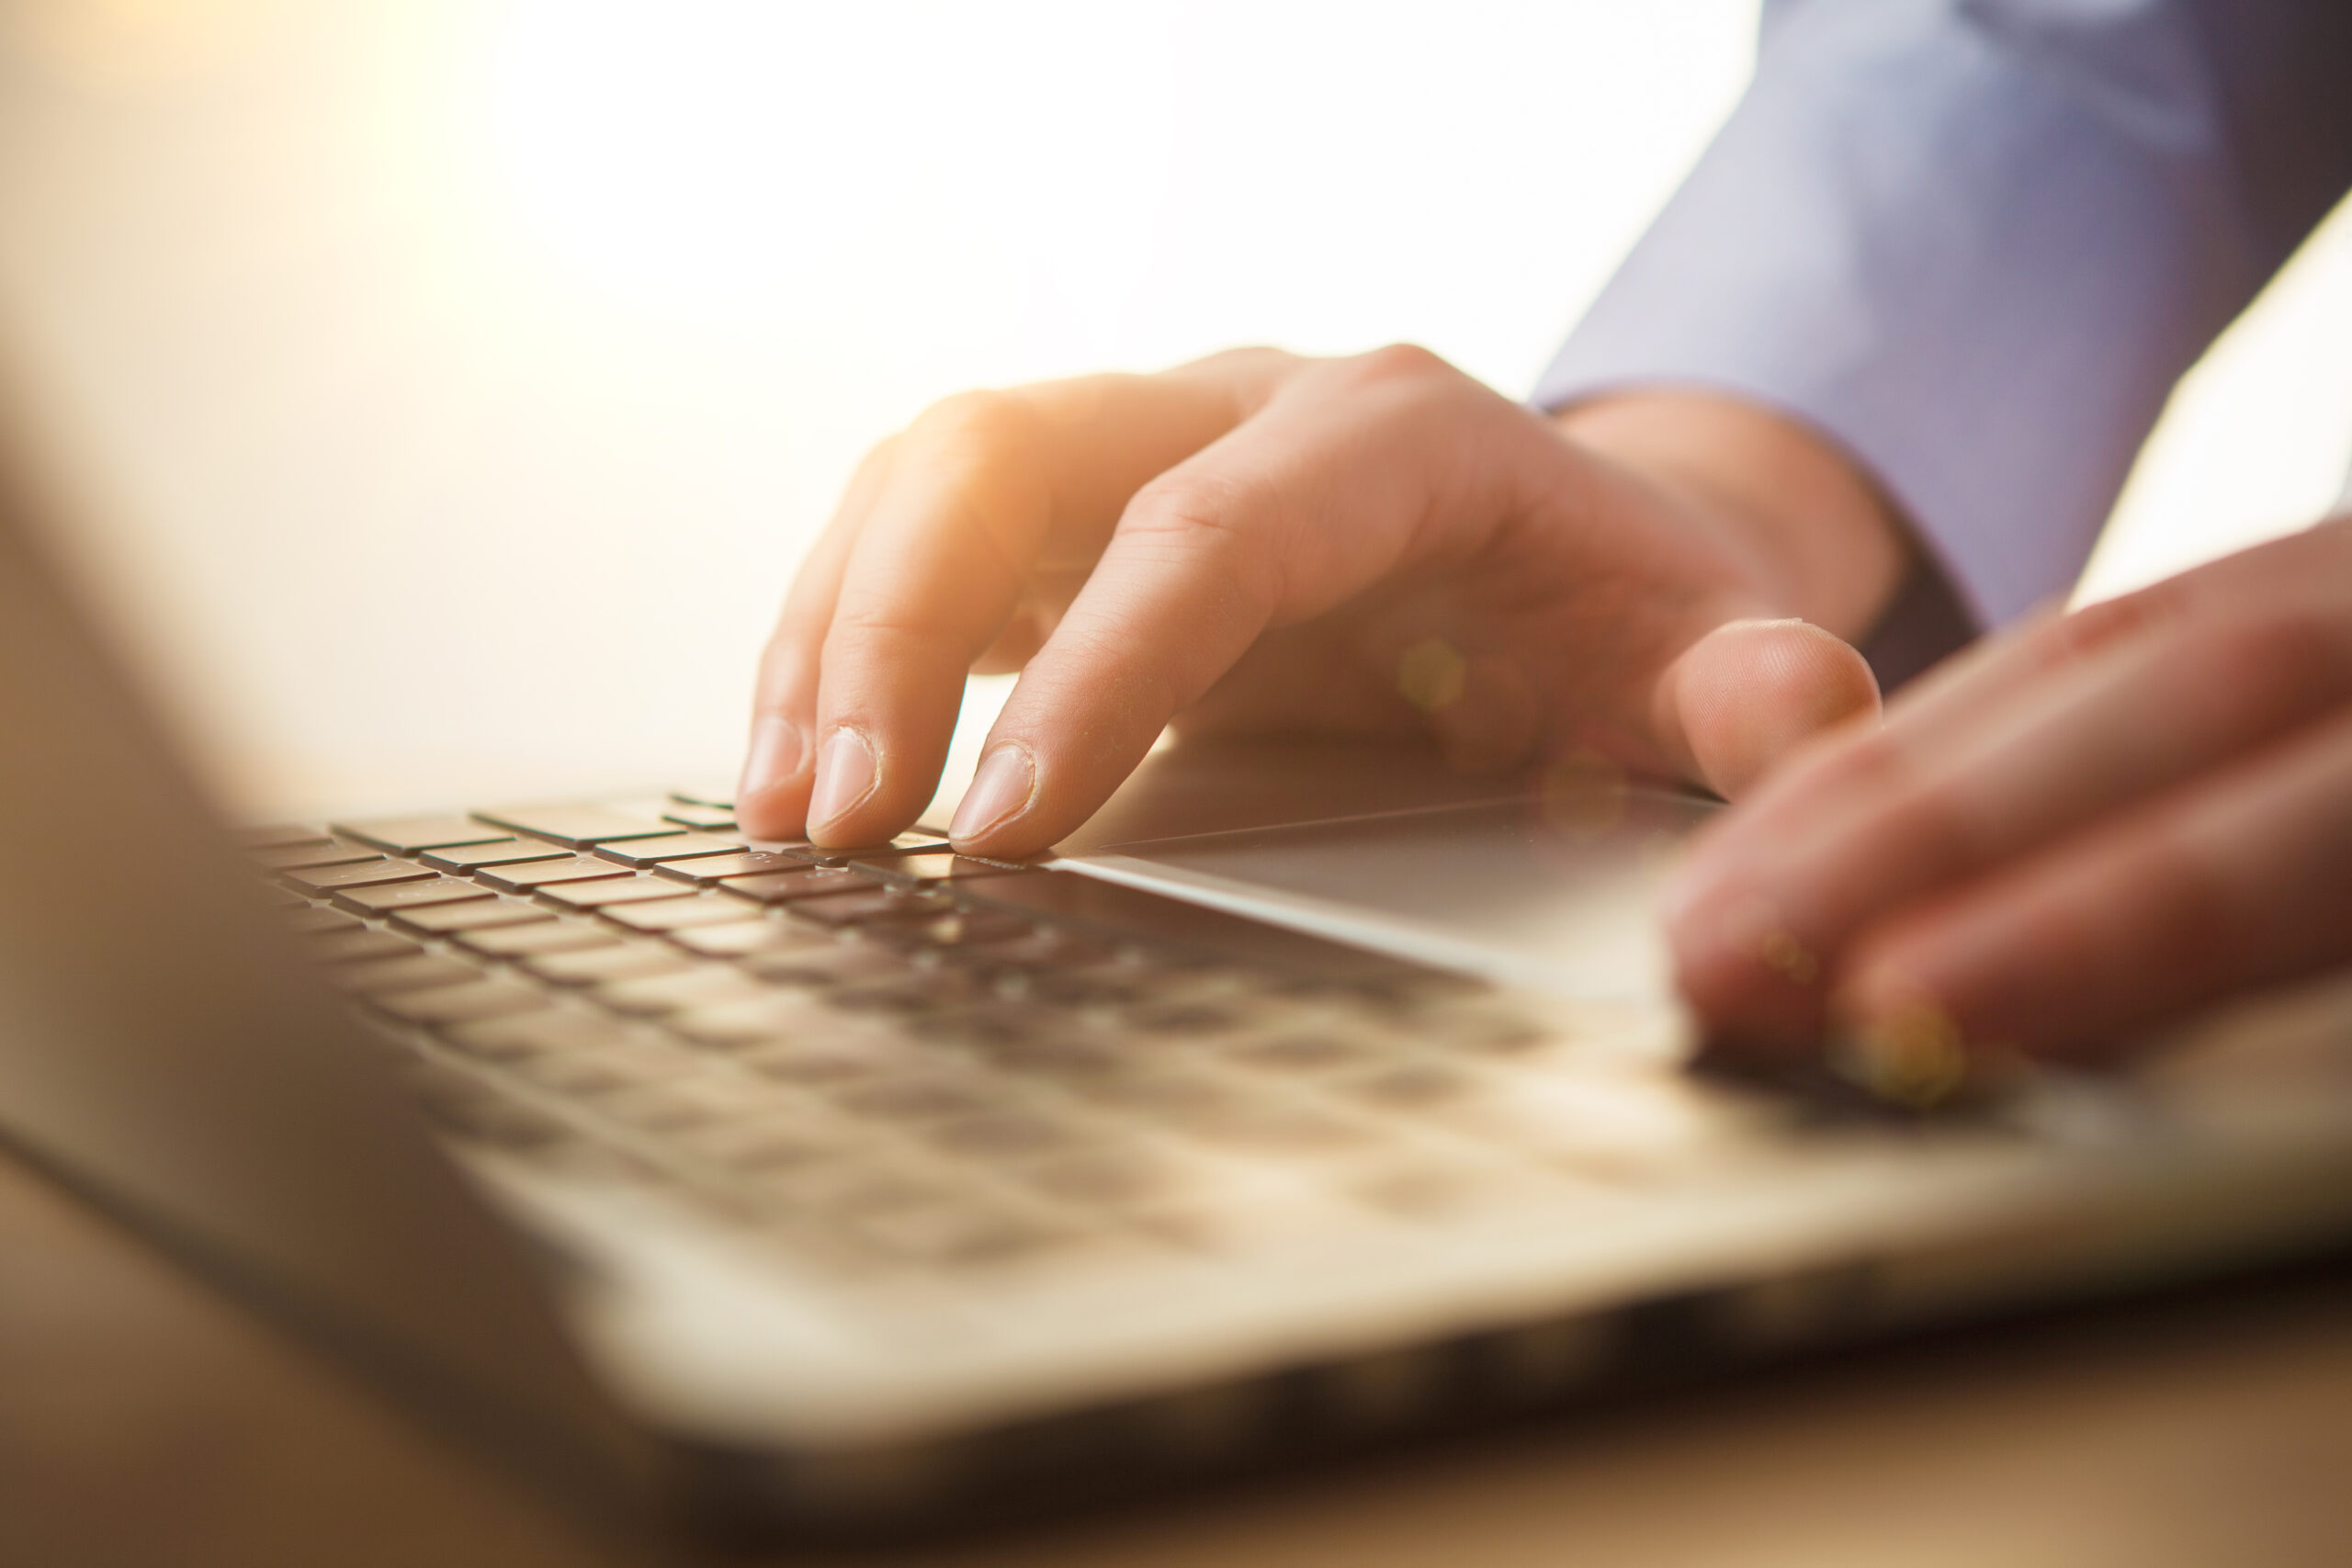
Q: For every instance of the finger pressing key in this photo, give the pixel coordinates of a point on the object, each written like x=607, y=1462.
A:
x=988, y=500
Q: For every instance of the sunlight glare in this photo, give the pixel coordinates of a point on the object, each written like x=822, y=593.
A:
x=676, y=153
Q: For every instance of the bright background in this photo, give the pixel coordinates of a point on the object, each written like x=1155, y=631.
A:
x=454, y=384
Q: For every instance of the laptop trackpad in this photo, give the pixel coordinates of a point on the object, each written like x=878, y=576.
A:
x=1553, y=890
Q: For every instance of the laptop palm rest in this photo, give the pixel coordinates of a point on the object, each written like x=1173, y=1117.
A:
x=1544, y=882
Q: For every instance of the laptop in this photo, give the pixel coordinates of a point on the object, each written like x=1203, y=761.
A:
x=1309, y=1095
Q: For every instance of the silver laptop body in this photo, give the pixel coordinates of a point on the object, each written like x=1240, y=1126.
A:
x=1018, y=1182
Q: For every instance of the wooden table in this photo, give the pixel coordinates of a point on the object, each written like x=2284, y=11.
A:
x=146, y=1422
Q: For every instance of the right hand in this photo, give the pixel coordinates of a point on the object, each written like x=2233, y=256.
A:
x=1257, y=541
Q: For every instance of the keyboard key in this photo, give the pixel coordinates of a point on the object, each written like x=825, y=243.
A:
x=740, y=938
x=595, y=966
x=380, y=977
x=672, y=1106
x=1115, y=984
x=1002, y=1134
x=623, y=1065
x=750, y=863
x=385, y=897
x=464, y=859
x=771, y=1018
x=318, y=852
x=578, y=827
x=353, y=945
x=1441, y=1190
x=1037, y=948
x=710, y=819
x=365, y=873
x=711, y=795
x=412, y=835
x=465, y=1108
x=595, y=892
x=912, y=1098
x=1059, y=1061
x=1183, y=1017
x=953, y=1233
x=305, y=919
x=991, y=1026
x=802, y=881
x=1413, y=1088
x=1113, y=1179
x=1486, y=1030
x=757, y=1146
x=536, y=1033
x=932, y=866
x=955, y=933
x=464, y=1003
x=662, y=916
x=917, y=993
x=917, y=841
x=474, y=914
x=810, y=1059
x=649, y=853
x=818, y=962
x=870, y=906
x=1258, y=1127
x=716, y=986
x=530, y=941
x=1303, y=1053
x=530, y=878
x=1162, y=1094
x=280, y=837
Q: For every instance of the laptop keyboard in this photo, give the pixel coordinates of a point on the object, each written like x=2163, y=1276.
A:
x=866, y=1057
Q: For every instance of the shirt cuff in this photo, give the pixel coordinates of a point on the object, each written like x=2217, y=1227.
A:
x=1960, y=265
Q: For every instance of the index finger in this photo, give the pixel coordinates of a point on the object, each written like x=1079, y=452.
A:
x=980, y=493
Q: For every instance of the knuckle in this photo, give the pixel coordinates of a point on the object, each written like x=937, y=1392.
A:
x=1211, y=524
x=984, y=424
x=2090, y=631
x=2190, y=918
x=1256, y=357
x=1405, y=362
x=2270, y=658
x=1933, y=824
x=867, y=620
x=985, y=460
x=1199, y=510
x=1862, y=766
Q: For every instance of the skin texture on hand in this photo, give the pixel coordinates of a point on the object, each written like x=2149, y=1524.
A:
x=2091, y=824
x=1258, y=542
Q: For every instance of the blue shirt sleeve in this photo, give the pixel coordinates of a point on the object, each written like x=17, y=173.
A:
x=1975, y=243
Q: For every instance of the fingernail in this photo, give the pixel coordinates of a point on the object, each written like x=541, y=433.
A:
x=1724, y=927
x=1910, y=1054
x=999, y=792
x=775, y=754
x=844, y=776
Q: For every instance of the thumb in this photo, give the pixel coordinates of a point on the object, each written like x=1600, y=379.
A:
x=1748, y=693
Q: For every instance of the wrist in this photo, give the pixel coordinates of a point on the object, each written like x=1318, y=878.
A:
x=1812, y=530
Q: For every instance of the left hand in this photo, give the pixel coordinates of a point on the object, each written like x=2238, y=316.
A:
x=2085, y=827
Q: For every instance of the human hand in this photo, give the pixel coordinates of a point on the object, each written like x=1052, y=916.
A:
x=2080, y=829
x=1256, y=541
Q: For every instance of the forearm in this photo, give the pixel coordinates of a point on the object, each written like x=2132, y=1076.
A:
x=1975, y=245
